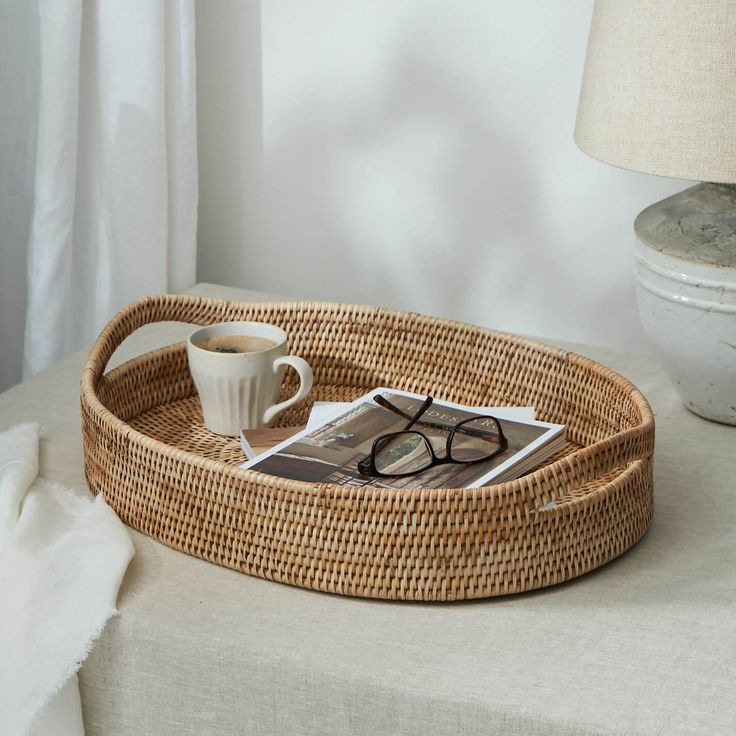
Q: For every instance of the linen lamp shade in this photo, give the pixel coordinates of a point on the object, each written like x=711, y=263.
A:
x=659, y=88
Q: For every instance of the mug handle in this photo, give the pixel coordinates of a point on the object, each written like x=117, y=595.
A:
x=305, y=385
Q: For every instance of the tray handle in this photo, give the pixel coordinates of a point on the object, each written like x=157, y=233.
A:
x=160, y=308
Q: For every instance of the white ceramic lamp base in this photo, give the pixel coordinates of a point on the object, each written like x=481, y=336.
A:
x=686, y=286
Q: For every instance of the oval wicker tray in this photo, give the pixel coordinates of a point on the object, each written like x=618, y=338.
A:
x=146, y=449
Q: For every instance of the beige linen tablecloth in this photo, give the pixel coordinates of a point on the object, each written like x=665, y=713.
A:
x=645, y=645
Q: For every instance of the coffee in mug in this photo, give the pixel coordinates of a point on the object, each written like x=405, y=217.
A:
x=236, y=344
x=238, y=369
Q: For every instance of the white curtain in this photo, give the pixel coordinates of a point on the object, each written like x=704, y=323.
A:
x=115, y=200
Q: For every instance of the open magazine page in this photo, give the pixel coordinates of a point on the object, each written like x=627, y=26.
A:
x=331, y=452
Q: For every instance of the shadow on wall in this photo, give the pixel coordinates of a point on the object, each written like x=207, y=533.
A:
x=406, y=199
x=229, y=133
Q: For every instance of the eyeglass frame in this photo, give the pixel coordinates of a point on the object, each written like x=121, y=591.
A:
x=367, y=466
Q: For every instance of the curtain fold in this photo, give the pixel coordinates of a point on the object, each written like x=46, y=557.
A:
x=115, y=209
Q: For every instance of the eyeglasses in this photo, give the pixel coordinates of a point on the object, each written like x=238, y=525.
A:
x=409, y=451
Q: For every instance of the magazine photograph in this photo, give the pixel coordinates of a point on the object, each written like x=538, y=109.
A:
x=333, y=452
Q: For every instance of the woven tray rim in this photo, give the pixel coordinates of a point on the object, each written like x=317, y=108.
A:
x=562, y=466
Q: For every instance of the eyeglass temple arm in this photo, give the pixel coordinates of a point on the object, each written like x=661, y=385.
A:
x=412, y=419
x=416, y=420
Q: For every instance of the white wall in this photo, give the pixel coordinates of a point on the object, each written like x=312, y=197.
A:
x=415, y=154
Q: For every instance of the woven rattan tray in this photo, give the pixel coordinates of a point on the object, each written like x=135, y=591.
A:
x=145, y=447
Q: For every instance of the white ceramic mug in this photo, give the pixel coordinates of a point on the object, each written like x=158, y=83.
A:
x=240, y=390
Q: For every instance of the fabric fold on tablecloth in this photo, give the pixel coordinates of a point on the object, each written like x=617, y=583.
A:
x=62, y=558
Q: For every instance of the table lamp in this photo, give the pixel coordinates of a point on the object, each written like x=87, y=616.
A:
x=659, y=96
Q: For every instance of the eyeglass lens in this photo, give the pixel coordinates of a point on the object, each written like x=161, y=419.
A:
x=402, y=454
x=475, y=439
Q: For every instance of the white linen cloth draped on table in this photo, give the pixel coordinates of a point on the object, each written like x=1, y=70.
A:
x=115, y=210
x=62, y=559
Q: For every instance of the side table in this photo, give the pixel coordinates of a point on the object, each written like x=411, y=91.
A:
x=646, y=644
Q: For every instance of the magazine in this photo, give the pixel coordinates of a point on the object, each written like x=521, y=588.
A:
x=254, y=442
x=330, y=452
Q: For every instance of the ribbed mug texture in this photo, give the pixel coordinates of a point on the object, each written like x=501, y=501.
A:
x=231, y=404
